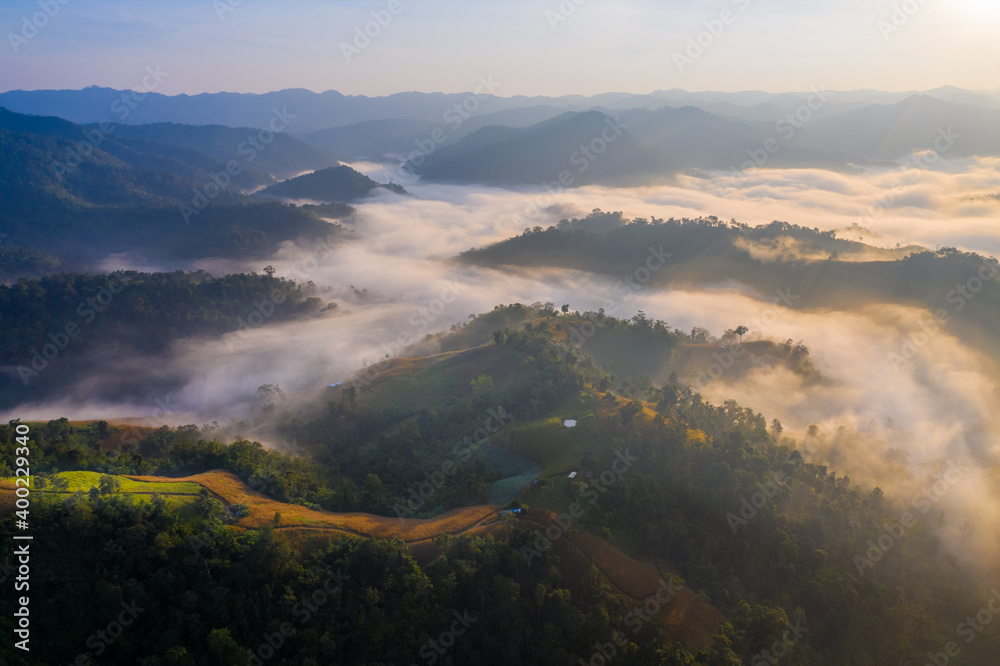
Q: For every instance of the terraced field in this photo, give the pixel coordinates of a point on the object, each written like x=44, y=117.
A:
x=546, y=442
x=177, y=495
x=690, y=619
x=230, y=489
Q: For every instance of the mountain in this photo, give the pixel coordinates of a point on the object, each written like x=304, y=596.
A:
x=39, y=166
x=918, y=123
x=81, y=195
x=828, y=273
x=532, y=498
x=307, y=111
x=637, y=147
x=376, y=138
x=280, y=155
x=310, y=111
x=372, y=138
x=263, y=158
x=77, y=145
x=582, y=148
x=986, y=98
x=690, y=138
x=146, y=312
x=337, y=184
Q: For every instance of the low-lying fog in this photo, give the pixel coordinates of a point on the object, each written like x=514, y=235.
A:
x=940, y=405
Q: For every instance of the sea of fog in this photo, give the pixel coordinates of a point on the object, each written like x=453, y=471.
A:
x=395, y=281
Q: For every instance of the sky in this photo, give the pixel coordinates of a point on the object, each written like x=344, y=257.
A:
x=532, y=47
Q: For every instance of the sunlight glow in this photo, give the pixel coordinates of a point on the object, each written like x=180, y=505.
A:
x=979, y=9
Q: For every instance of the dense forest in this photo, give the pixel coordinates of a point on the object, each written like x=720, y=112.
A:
x=60, y=320
x=18, y=262
x=820, y=269
x=784, y=572
x=83, y=195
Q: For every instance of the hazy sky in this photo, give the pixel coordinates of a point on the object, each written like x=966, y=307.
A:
x=446, y=45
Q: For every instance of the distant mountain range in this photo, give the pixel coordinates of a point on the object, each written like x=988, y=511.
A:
x=918, y=123
x=611, y=139
x=653, y=145
x=636, y=147
x=374, y=138
x=317, y=111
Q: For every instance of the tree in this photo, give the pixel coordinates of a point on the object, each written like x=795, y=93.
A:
x=108, y=485
x=741, y=331
x=877, y=495
x=268, y=395
x=565, y=309
x=373, y=485
x=101, y=429
x=222, y=645
x=721, y=653
x=700, y=335
x=206, y=505
x=481, y=386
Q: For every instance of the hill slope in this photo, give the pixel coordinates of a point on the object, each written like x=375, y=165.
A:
x=653, y=484
x=820, y=270
x=130, y=195
x=335, y=184
x=589, y=147
x=638, y=147
x=917, y=124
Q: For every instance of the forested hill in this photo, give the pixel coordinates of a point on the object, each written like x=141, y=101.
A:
x=281, y=157
x=713, y=496
x=51, y=328
x=335, y=184
x=819, y=269
x=80, y=195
